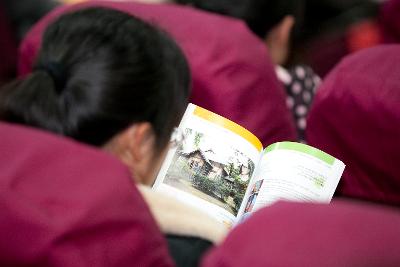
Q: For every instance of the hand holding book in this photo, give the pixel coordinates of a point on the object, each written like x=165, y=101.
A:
x=222, y=169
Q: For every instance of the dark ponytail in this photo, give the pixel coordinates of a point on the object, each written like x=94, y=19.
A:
x=99, y=71
x=57, y=73
x=32, y=101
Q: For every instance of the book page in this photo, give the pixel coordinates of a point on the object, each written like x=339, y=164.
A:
x=295, y=172
x=212, y=166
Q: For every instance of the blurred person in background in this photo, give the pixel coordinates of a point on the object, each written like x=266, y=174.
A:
x=272, y=21
x=277, y=24
x=335, y=28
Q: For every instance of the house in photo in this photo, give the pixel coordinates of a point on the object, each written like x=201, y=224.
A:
x=197, y=161
x=205, y=163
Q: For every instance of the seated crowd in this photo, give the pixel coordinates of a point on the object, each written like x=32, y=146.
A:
x=101, y=86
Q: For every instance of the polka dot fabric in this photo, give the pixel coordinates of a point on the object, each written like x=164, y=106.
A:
x=301, y=84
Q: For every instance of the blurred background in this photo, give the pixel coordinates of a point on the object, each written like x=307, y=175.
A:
x=325, y=31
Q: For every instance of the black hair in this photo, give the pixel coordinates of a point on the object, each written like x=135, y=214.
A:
x=260, y=15
x=99, y=71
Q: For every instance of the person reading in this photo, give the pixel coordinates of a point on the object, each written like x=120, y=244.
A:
x=110, y=80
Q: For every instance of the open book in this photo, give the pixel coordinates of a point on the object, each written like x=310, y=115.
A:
x=222, y=168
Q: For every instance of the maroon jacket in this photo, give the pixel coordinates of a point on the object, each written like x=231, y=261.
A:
x=66, y=204
x=313, y=235
x=356, y=118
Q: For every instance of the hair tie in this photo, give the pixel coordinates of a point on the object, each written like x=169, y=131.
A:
x=56, y=72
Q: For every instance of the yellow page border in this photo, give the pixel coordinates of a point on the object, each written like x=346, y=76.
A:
x=228, y=124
